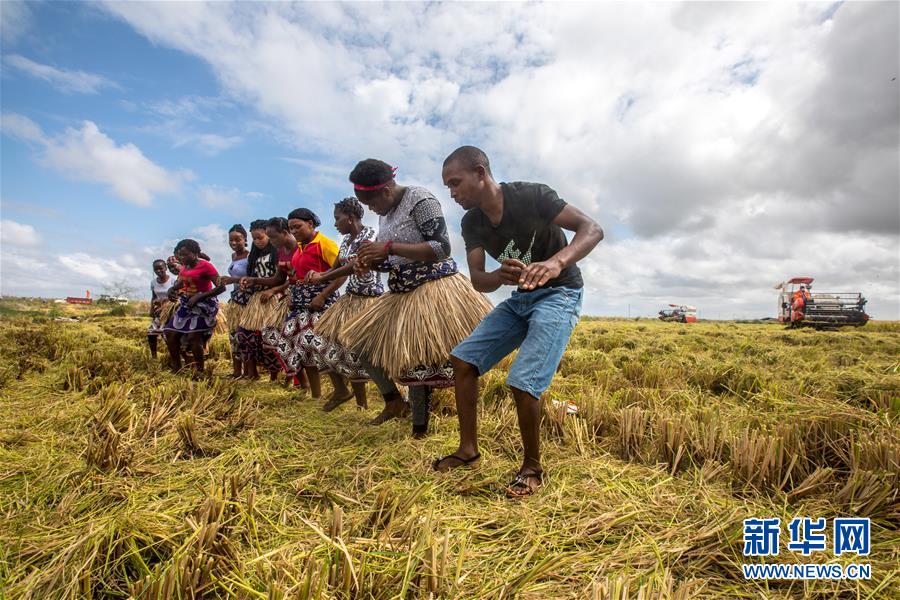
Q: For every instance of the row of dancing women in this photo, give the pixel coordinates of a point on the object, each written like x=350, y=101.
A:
x=286, y=312
x=431, y=327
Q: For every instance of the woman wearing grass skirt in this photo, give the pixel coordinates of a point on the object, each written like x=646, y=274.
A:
x=262, y=263
x=360, y=293
x=298, y=345
x=268, y=309
x=194, y=318
x=237, y=239
x=159, y=297
x=406, y=336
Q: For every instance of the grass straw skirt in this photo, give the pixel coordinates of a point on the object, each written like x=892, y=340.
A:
x=163, y=313
x=348, y=307
x=258, y=315
x=166, y=310
x=255, y=318
x=233, y=313
x=335, y=355
x=221, y=322
x=410, y=335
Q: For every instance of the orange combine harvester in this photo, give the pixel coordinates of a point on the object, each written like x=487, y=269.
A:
x=799, y=306
x=679, y=313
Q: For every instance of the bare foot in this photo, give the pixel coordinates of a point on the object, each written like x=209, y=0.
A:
x=394, y=409
x=334, y=401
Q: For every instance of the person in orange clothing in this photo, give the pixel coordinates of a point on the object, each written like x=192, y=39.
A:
x=798, y=303
x=802, y=295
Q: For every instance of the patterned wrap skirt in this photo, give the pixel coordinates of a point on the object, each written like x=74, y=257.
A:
x=336, y=355
x=201, y=318
x=297, y=343
x=250, y=348
x=250, y=334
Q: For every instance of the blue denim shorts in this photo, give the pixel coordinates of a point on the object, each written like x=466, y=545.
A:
x=538, y=323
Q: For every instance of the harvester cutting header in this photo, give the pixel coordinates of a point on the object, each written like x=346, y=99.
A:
x=799, y=306
x=679, y=313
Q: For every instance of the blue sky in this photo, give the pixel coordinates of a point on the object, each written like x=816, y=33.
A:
x=710, y=141
x=162, y=101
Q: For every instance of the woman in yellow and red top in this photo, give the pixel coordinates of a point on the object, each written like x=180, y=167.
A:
x=297, y=344
x=195, y=316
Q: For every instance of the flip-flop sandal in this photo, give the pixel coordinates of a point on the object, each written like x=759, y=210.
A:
x=463, y=462
x=519, y=488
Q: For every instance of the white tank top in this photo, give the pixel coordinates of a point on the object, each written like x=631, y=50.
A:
x=161, y=290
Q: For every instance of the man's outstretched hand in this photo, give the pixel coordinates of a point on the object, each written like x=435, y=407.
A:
x=510, y=271
x=539, y=273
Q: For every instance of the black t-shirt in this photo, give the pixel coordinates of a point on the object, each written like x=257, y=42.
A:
x=526, y=231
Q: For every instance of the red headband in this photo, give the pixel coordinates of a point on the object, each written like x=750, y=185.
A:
x=371, y=188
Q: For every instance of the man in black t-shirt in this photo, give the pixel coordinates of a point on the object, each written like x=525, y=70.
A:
x=521, y=226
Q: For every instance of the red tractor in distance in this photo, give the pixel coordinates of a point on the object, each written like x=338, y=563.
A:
x=679, y=313
x=799, y=306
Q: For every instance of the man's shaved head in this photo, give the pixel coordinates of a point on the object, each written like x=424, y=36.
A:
x=470, y=158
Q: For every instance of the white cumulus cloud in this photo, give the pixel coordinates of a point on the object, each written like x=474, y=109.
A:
x=87, y=154
x=65, y=80
x=13, y=234
x=97, y=269
x=25, y=264
x=16, y=20
x=714, y=142
x=22, y=127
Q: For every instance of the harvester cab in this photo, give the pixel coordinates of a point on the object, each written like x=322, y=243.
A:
x=799, y=306
x=679, y=313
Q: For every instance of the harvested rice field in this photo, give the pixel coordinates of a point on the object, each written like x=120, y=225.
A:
x=118, y=479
